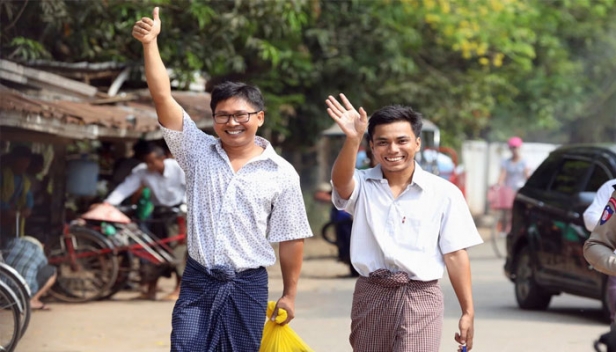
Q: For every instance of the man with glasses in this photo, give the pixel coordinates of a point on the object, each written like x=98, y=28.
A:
x=241, y=196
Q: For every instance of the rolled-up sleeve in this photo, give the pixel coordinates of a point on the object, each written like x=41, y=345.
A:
x=185, y=144
x=288, y=220
x=600, y=256
x=348, y=205
x=130, y=185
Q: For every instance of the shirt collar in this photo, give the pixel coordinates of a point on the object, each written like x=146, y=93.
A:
x=167, y=170
x=419, y=175
x=374, y=173
x=268, y=150
x=143, y=168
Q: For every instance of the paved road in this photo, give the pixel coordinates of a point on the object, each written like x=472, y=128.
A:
x=322, y=311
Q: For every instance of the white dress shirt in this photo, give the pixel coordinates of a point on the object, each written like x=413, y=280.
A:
x=168, y=188
x=592, y=214
x=233, y=216
x=409, y=233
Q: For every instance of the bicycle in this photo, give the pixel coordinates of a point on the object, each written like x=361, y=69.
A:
x=500, y=199
x=86, y=263
x=10, y=313
x=20, y=288
x=330, y=233
x=94, y=266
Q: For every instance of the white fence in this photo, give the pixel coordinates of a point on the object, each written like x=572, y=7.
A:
x=482, y=161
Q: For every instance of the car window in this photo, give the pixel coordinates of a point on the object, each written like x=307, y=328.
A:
x=597, y=179
x=569, y=175
x=542, y=176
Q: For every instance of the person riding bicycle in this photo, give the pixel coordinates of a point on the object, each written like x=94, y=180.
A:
x=167, y=183
x=513, y=174
x=514, y=170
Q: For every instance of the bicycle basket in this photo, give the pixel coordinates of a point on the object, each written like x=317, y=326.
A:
x=500, y=197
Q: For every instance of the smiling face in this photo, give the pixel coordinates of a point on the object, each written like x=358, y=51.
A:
x=394, y=146
x=233, y=134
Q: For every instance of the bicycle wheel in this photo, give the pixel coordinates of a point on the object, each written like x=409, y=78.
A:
x=19, y=286
x=10, y=311
x=498, y=234
x=87, y=265
x=126, y=267
x=328, y=232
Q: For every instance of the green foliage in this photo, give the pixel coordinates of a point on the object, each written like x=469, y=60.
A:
x=477, y=68
x=25, y=49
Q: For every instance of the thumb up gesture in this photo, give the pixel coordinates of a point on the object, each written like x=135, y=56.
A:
x=146, y=29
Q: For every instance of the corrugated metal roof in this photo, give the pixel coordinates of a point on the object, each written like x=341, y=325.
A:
x=84, y=66
x=129, y=120
x=196, y=104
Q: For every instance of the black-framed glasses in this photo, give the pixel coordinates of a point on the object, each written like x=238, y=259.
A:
x=239, y=117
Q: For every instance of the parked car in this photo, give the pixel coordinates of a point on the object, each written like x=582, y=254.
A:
x=544, y=247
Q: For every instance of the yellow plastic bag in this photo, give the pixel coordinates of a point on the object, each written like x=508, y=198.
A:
x=280, y=338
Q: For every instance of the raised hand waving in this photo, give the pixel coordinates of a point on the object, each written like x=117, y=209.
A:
x=352, y=122
x=147, y=29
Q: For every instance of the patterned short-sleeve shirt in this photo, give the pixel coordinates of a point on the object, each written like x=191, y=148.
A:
x=233, y=216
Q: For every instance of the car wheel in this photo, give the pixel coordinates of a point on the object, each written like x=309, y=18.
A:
x=527, y=293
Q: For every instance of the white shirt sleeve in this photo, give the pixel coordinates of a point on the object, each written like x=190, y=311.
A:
x=458, y=230
x=594, y=211
x=125, y=189
x=347, y=205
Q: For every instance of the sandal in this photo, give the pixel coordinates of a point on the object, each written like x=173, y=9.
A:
x=43, y=307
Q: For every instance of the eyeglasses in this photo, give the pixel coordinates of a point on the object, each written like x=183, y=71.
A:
x=239, y=117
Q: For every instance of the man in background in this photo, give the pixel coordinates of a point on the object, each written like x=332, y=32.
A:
x=592, y=215
x=16, y=200
x=166, y=181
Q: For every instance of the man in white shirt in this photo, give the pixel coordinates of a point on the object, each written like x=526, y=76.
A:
x=167, y=183
x=408, y=226
x=592, y=215
x=163, y=176
x=241, y=197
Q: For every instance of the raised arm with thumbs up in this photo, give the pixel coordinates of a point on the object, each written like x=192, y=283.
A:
x=169, y=112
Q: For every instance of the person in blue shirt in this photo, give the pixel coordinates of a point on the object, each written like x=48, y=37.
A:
x=15, y=191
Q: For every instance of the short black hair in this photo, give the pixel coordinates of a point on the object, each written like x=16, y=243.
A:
x=37, y=160
x=229, y=89
x=394, y=113
x=140, y=149
x=21, y=151
x=157, y=150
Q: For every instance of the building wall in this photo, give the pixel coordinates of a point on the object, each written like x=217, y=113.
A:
x=482, y=161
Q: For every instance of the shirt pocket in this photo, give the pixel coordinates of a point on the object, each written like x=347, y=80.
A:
x=407, y=234
x=418, y=234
